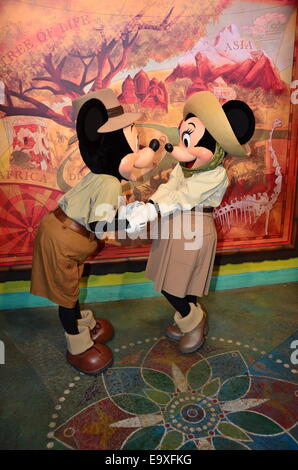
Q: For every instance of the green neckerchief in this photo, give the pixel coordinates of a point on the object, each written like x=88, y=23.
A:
x=217, y=159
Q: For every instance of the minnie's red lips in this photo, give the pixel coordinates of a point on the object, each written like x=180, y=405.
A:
x=190, y=164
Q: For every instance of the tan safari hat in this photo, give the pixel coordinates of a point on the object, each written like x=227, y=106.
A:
x=117, y=118
x=208, y=109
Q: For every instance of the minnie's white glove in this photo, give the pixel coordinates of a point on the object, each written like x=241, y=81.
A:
x=125, y=210
x=138, y=215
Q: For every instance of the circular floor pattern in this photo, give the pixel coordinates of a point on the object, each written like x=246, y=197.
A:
x=185, y=420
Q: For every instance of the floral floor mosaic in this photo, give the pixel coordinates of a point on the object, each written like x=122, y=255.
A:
x=240, y=391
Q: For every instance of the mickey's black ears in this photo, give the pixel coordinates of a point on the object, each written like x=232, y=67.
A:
x=241, y=118
x=91, y=116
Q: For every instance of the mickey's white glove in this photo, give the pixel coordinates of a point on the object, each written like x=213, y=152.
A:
x=138, y=215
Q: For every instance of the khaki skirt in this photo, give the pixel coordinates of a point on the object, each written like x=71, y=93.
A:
x=58, y=261
x=180, y=271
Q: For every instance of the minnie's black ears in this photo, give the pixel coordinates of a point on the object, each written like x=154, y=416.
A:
x=91, y=116
x=241, y=118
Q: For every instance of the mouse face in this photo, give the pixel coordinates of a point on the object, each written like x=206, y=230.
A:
x=232, y=124
x=189, y=150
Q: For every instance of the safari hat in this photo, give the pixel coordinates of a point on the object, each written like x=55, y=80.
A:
x=208, y=109
x=117, y=118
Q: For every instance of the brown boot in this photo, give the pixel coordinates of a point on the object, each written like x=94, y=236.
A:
x=173, y=332
x=194, y=328
x=86, y=356
x=101, y=330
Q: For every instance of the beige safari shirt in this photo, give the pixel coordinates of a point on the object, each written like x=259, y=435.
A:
x=207, y=188
x=93, y=199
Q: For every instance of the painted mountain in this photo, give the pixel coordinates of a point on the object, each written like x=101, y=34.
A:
x=231, y=58
x=258, y=71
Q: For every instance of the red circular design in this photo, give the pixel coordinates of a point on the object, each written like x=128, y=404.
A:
x=22, y=208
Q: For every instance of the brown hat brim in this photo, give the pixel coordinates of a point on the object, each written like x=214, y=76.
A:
x=208, y=109
x=119, y=122
x=113, y=124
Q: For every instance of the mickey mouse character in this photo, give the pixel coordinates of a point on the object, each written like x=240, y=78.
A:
x=207, y=133
x=67, y=236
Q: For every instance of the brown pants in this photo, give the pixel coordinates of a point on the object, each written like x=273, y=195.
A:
x=58, y=261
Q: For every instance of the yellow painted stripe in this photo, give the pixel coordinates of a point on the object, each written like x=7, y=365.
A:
x=114, y=279
x=131, y=278
x=14, y=286
x=256, y=266
x=91, y=281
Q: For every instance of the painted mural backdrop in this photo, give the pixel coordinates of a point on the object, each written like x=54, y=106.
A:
x=154, y=54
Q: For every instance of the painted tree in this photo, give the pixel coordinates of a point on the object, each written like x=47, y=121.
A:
x=87, y=59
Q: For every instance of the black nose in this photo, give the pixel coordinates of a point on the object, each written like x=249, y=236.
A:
x=169, y=147
x=154, y=144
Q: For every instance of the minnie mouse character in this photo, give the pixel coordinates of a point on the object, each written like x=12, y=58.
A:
x=207, y=133
x=67, y=236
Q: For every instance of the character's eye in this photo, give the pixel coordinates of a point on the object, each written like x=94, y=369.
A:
x=186, y=137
